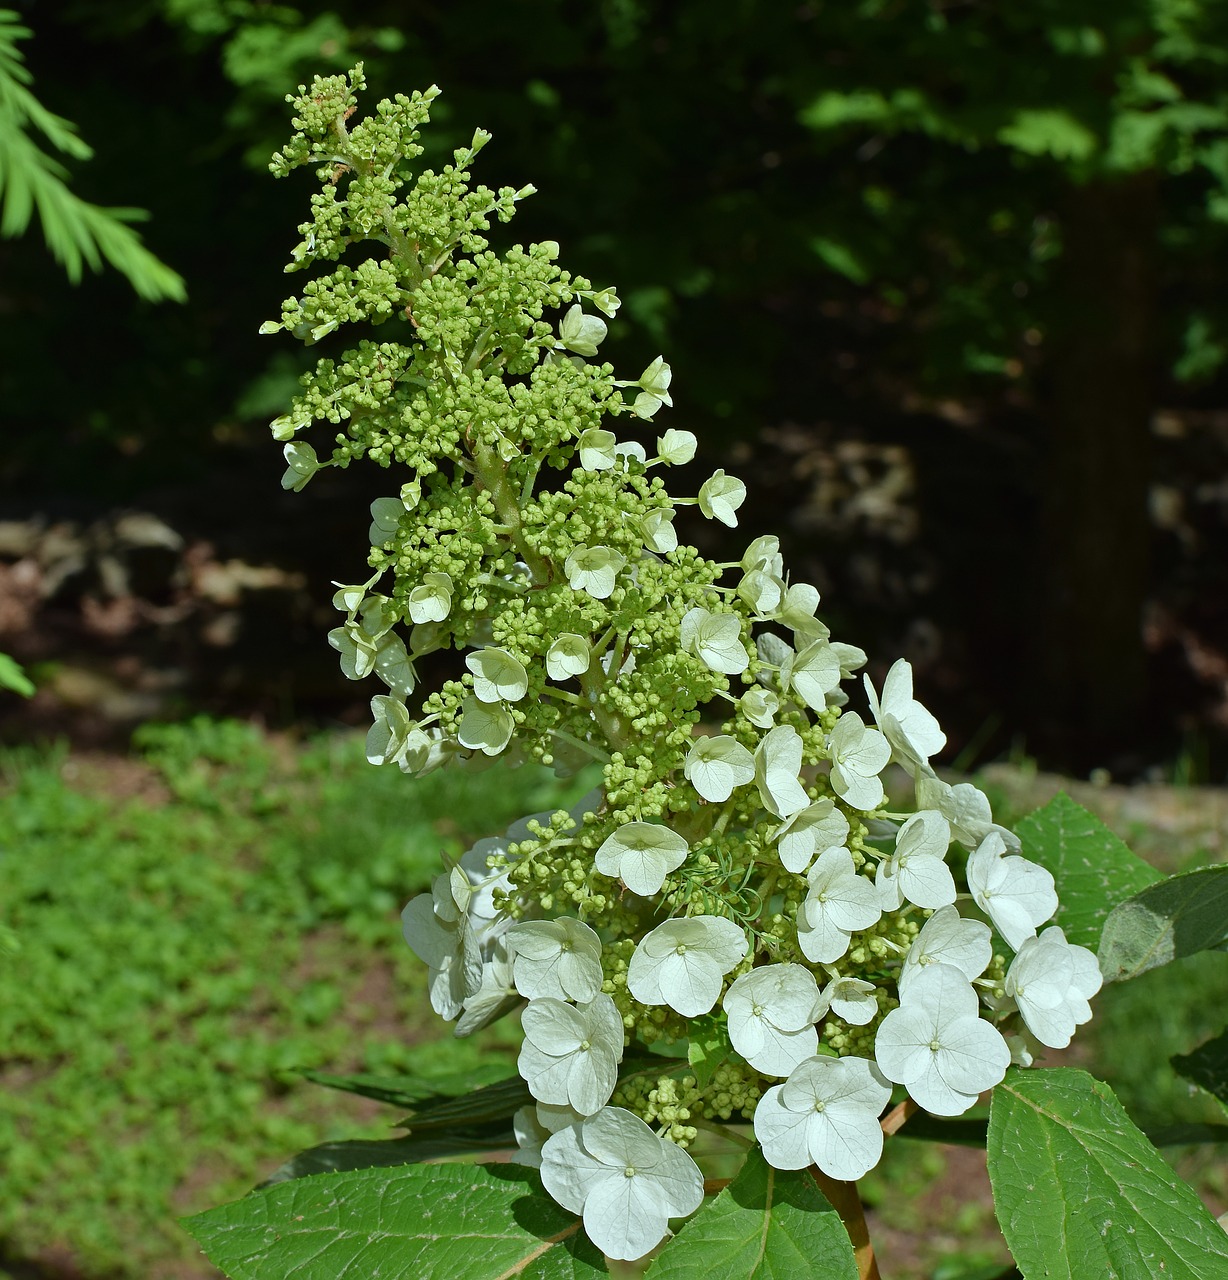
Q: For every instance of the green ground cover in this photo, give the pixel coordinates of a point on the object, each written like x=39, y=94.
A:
x=181, y=930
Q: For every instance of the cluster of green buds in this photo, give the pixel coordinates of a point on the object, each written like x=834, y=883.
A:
x=734, y=925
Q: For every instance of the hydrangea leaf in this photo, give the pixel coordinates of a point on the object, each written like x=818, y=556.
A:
x=766, y=1225
x=1166, y=921
x=1093, y=869
x=1207, y=1066
x=401, y=1224
x=1080, y=1192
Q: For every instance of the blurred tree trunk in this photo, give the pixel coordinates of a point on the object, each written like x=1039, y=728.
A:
x=1097, y=524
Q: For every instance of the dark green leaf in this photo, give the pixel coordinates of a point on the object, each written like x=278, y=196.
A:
x=410, y=1091
x=766, y=1225
x=481, y=1107
x=1175, y=918
x=436, y=1222
x=1080, y=1192
x=1094, y=870
x=965, y=1132
x=339, y=1157
x=1187, y=1135
x=1207, y=1066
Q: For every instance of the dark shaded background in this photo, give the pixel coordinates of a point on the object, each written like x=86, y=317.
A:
x=943, y=282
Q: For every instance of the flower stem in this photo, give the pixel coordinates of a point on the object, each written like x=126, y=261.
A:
x=846, y=1201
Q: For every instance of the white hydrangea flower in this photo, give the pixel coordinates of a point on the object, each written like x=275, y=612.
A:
x=581, y=333
x=838, y=903
x=947, y=938
x=720, y=496
x=851, y=999
x=964, y=806
x=772, y=651
x=625, y=1180
x=655, y=380
x=388, y=736
x=778, y=764
x=764, y=553
x=849, y=656
x=641, y=855
x=484, y=726
x=658, y=530
x=937, y=1046
x=797, y=613
x=715, y=639
x=568, y=656
x=447, y=948
x=594, y=570
x=1051, y=982
x=495, y=994
x=497, y=675
x=597, y=449
x=760, y=706
x=916, y=870
x=1017, y=895
x=394, y=666
x=682, y=963
x=534, y=1125
x=558, y=958
x=811, y=830
x=301, y=465
x=571, y=1053
x=813, y=674
x=770, y=1013
x=715, y=765
x=858, y=756
x=677, y=447
x=386, y=516
x=826, y=1114
x=431, y=599
x=911, y=730
x=762, y=592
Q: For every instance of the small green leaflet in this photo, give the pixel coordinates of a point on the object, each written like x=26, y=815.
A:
x=766, y=1225
x=1165, y=922
x=14, y=678
x=1080, y=1192
x=435, y=1222
x=1094, y=870
x=1207, y=1066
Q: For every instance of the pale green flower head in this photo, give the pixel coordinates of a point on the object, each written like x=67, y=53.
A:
x=597, y=449
x=676, y=448
x=658, y=531
x=716, y=640
x=720, y=496
x=641, y=855
x=431, y=599
x=594, y=570
x=386, y=515
x=301, y=465
x=485, y=727
x=497, y=676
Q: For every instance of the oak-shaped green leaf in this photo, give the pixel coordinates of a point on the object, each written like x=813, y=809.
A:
x=1207, y=1066
x=415, y=1223
x=1165, y=922
x=766, y=1225
x=1092, y=868
x=1080, y=1192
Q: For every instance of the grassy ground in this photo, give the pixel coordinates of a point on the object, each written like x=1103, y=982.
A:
x=182, y=929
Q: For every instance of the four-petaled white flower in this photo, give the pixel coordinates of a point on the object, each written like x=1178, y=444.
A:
x=495, y=994
x=1051, y=981
x=485, y=726
x=858, y=756
x=826, y=1113
x=557, y=958
x=571, y=1053
x=594, y=570
x=534, y=1125
x=916, y=869
x=597, y=449
x=626, y=1181
x=851, y=999
x=676, y=447
x=497, y=675
x=658, y=531
x=301, y=465
x=641, y=855
x=778, y=763
x=446, y=946
x=814, y=673
x=937, y=1047
x=771, y=1013
x=715, y=765
x=386, y=517
x=581, y=333
x=947, y=938
x=760, y=706
x=811, y=830
x=682, y=963
x=388, y=736
x=964, y=806
x=911, y=730
x=720, y=496
x=431, y=599
x=838, y=903
x=797, y=613
x=568, y=656
x=715, y=639
x=1017, y=895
